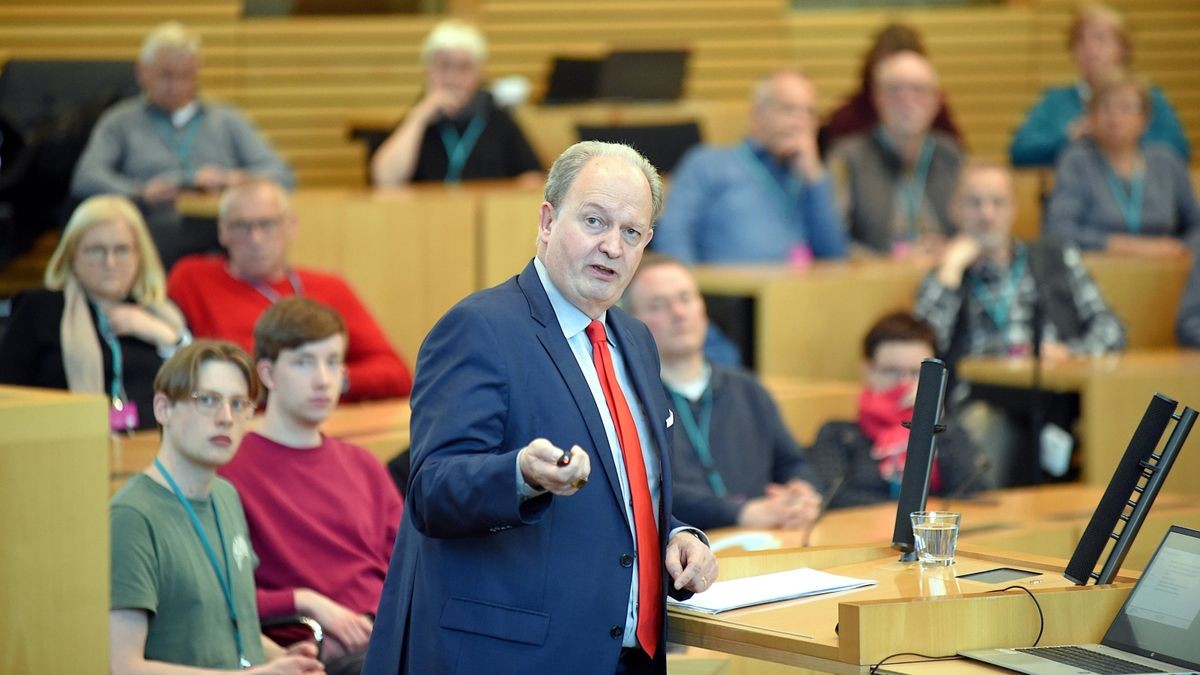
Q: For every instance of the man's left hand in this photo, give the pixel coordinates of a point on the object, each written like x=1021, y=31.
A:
x=690, y=563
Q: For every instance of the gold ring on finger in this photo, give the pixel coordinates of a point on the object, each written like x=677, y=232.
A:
x=579, y=482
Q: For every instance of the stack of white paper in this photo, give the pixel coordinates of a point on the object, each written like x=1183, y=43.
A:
x=749, y=591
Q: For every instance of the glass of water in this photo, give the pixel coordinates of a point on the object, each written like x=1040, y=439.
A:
x=936, y=536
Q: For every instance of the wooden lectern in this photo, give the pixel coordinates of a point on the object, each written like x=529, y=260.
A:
x=54, y=561
x=910, y=609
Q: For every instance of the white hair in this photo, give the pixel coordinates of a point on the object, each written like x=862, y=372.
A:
x=173, y=36
x=454, y=34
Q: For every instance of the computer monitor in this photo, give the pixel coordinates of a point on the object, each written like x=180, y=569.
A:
x=914, y=485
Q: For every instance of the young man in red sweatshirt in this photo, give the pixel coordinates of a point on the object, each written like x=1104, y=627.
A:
x=323, y=514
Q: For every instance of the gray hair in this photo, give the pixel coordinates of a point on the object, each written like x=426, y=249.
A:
x=248, y=188
x=173, y=36
x=763, y=91
x=454, y=34
x=568, y=165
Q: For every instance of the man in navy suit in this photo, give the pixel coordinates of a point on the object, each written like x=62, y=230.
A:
x=519, y=548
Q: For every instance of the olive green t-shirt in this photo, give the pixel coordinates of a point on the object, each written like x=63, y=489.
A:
x=159, y=565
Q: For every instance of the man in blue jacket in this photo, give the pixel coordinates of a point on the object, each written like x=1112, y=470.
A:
x=537, y=535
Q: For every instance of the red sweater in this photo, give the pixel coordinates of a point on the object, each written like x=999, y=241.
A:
x=323, y=518
x=219, y=305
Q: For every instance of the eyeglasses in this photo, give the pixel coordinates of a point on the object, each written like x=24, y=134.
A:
x=98, y=253
x=211, y=403
x=242, y=228
x=896, y=374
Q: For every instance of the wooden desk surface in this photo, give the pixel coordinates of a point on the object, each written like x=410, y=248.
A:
x=379, y=426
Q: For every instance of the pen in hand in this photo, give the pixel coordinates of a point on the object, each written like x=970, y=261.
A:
x=565, y=460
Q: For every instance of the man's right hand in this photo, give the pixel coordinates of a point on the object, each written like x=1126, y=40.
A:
x=160, y=190
x=959, y=254
x=539, y=464
x=438, y=103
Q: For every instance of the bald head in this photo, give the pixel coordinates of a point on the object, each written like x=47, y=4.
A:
x=784, y=107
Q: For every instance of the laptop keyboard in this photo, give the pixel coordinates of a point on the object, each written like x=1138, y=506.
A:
x=1088, y=660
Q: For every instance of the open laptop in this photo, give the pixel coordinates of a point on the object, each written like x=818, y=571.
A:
x=1156, y=631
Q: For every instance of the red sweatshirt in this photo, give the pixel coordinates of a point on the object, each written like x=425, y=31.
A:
x=323, y=518
x=218, y=305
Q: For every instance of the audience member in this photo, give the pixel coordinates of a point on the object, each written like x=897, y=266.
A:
x=323, y=513
x=1187, y=323
x=222, y=298
x=1101, y=45
x=858, y=113
x=153, y=147
x=456, y=131
x=734, y=461
x=182, y=565
x=537, y=533
x=766, y=199
x=104, y=324
x=898, y=176
x=1112, y=193
x=862, y=461
x=984, y=295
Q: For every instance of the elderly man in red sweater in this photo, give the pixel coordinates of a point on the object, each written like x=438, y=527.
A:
x=223, y=297
x=322, y=513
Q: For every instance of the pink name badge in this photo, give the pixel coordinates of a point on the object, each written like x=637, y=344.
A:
x=122, y=415
x=902, y=249
x=800, y=256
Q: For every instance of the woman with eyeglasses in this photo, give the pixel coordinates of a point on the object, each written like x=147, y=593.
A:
x=1114, y=192
x=103, y=323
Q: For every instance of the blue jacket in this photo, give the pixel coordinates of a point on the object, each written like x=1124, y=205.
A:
x=1044, y=133
x=727, y=206
x=481, y=582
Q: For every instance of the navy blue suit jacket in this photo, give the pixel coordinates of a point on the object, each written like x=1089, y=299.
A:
x=479, y=581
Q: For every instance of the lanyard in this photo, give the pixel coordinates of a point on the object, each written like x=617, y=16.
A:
x=179, y=143
x=912, y=190
x=997, y=305
x=458, y=148
x=698, y=433
x=271, y=294
x=117, y=388
x=223, y=578
x=786, y=192
x=1130, y=202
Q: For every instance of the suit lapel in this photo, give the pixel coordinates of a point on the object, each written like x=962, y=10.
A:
x=551, y=337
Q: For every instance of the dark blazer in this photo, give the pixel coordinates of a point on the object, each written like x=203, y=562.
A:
x=31, y=352
x=479, y=581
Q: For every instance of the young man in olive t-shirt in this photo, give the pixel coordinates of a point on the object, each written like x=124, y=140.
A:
x=182, y=566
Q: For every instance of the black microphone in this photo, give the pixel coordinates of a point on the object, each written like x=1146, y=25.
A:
x=982, y=464
x=1037, y=414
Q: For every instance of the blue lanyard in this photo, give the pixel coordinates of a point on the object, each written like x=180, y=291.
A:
x=997, y=305
x=458, y=148
x=271, y=294
x=117, y=388
x=912, y=190
x=1130, y=203
x=179, y=143
x=786, y=192
x=698, y=434
x=222, y=578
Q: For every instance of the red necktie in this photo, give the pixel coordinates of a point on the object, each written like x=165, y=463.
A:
x=649, y=557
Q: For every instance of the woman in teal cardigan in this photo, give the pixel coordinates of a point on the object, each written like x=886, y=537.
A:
x=1101, y=45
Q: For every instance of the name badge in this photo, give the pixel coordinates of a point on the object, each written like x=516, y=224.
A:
x=122, y=415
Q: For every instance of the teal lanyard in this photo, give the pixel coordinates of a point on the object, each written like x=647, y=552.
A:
x=997, y=305
x=179, y=143
x=222, y=578
x=117, y=388
x=786, y=193
x=698, y=433
x=273, y=295
x=458, y=148
x=1130, y=202
x=912, y=190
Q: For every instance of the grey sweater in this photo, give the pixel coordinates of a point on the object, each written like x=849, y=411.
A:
x=129, y=146
x=1084, y=211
